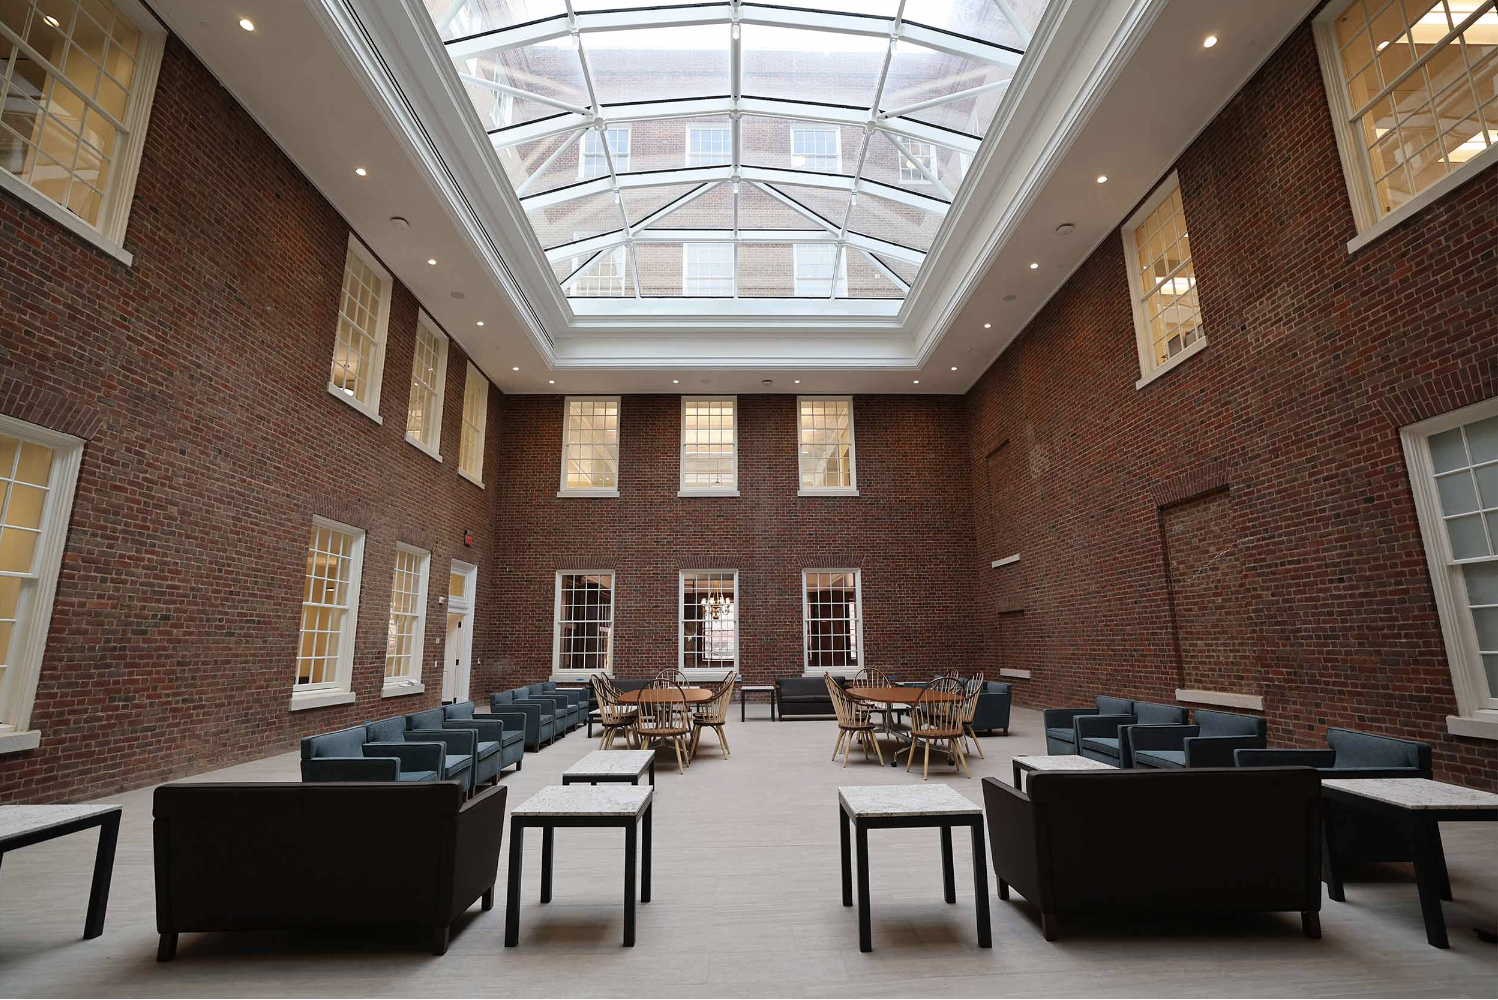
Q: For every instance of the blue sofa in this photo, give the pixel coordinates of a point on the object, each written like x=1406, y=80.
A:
x=540, y=717
x=1209, y=741
x=347, y=755
x=495, y=748
x=1099, y=737
x=1060, y=723
x=457, y=762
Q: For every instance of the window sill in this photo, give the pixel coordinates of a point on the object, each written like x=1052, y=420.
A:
x=348, y=400
x=397, y=690
x=419, y=446
x=477, y=482
x=851, y=491
x=1173, y=363
x=707, y=493
x=1481, y=725
x=1469, y=170
x=578, y=676
x=28, y=739
x=1023, y=675
x=1004, y=561
x=1223, y=699
x=62, y=216
x=587, y=493
x=320, y=699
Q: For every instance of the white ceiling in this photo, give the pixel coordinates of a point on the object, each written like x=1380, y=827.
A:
x=1127, y=54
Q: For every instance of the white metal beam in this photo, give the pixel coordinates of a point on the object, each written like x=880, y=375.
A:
x=605, y=241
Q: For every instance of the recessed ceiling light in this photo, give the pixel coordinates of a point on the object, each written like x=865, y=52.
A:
x=1033, y=264
x=432, y=261
x=1065, y=228
x=1102, y=178
x=676, y=381
x=915, y=381
x=1010, y=298
x=1209, y=41
x=954, y=368
x=551, y=381
x=479, y=323
x=797, y=381
x=988, y=326
x=54, y=22
x=246, y=24
x=361, y=171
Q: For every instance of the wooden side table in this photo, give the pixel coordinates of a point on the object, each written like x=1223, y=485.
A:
x=22, y=826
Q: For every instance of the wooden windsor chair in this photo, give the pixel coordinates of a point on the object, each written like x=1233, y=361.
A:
x=665, y=719
x=937, y=717
x=713, y=714
x=853, y=723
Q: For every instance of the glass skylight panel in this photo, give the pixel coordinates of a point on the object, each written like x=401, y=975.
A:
x=681, y=148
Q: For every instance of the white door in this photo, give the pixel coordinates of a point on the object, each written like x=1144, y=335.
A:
x=456, y=669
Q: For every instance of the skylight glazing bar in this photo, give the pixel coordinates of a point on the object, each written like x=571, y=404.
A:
x=549, y=162
x=883, y=269
x=930, y=178
x=529, y=95
x=736, y=131
x=1007, y=9
x=935, y=102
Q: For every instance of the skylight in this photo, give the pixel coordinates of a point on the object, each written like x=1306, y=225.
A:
x=800, y=158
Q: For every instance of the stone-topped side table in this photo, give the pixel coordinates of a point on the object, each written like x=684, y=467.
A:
x=626, y=806
x=22, y=826
x=746, y=689
x=1418, y=805
x=611, y=765
x=884, y=807
x=1056, y=762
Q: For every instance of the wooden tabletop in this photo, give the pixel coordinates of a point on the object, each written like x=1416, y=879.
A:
x=653, y=695
x=900, y=695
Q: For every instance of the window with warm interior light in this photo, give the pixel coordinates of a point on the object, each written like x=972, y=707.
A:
x=709, y=445
x=1413, y=89
x=475, y=419
x=825, y=445
x=428, y=385
x=583, y=639
x=330, y=609
x=709, y=622
x=363, y=322
x=832, y=613
x=1167, y=315
x=406, y=636
x=590, y=446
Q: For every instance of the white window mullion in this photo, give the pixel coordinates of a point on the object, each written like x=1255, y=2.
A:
x=832, y=621
x=590, y=446
x=709, y=446
x=428, y=387
x=708, y=622
x=406, y=634
x=825, y=446
x=475, y=421
x=583, y=624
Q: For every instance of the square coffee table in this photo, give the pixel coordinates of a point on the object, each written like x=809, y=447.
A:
x=611, y=765
x=1056, y=762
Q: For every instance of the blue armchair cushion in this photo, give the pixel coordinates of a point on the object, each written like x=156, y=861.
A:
x=1160, y=758
x=487, y=749
x=432, y=718
x=456, y=762
x=501, y=697
x=1102, y=744
x=343, y=743
x=417, y=776
x=386, y=730
x=512, y=736
x=1107, y=705
x=1064, y=735
x=1151, y=714
x=1285, y=758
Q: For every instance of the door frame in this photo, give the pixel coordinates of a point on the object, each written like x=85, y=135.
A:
x=463, y=676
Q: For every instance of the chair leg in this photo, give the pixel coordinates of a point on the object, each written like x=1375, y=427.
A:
x=961, y=758
x=874, y=739
x=975, y=741
x=926, y=763
x=722, y=732
x=837, y=747
x=911, y=748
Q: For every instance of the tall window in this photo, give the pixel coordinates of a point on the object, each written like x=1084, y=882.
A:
x=709, y=445
x=590, y=446
x=1411, y=86
x=604, y=277
x=583, y=641
x=1167, y=315
x=475, y=417
x=363, y=320
x=816, y=264
x=923, y=153
x=76, y=83
x=709, y=145
x=816, y=149
x=707, y=269
x=330, y=608
x=709, y=637
x=38, y=471
x=593, y=162
x=1453, y=462
x=428, y=381
x=406, y=637
x=825, y=433
x=833, y=616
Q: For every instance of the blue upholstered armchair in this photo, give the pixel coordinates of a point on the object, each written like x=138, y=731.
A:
x=1099, y=737
x=1060, y=723
x=577, y=698
x=345, y=755
x=457, y=763
x=993, y=708
x=494, y=746
x=1210, y=742
x=565, y=708
x=540, y=717
x=1350, y=754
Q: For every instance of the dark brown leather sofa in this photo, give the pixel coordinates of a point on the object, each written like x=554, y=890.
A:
x=272, y=856
x=1150, y=840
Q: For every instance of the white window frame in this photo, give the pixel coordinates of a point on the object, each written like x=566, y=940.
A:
x=733, y=276
x=426, y=323
x=34, y=610
x=851, y=490
x=682, y=489
x=371, y=409
x=114, y=213
x=687, y=153
x=908, y=173
x=610, y=156
x=338, y=691
x=557, y=673
x=563, y=490
x=1476, y=706
x=837, y=141
x=474, y=382
x=1148, y=370
x=806, y=668
x=839, y=283
x=412, y=683
x=1355, y=167
x=706, y=673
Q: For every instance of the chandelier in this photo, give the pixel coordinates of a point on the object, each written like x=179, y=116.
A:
x=716, y=607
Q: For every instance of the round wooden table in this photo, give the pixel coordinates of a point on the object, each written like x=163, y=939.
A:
x=693, y=695
x=893, y=695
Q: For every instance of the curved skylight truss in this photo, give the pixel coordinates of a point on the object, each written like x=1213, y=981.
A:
x=735, y=150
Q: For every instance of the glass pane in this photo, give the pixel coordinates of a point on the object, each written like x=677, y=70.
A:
x=768, y=271
x=1482, y=583
x=888, y=164
x=16, y=547
x=980, y=19
x=1490, y=667
x=609, y=275
x=887, y=220
x=470, y=17
x=641, y=203
x=795, y=64
x=1448, y=451
x=918, y=74
x=1482, y=439
x=827, y=204
x=10, y=598
x=1485, y=622
x=24, y=509
x=570, y=221
x=1458, y=493
x=713, y=210
x=659, y=64
x=525, y=160
x=35, y=465
x=1468, y=540
x=549, y=69
x=1487, y=484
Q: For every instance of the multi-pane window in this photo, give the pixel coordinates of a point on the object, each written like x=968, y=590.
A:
x=594, y=162
x=815, y=149
x=590, y=446
x=825, y=435
x=475, y=417
x=330, y=603
x=428, y=380
x=923, y=153
x=709, y=621
x=816, y=263
x=709, y=145
x=602, y=278
x=1167, y=314
x=709, y=444
x=1453, y=463
x=833, y=618
x=38, y=470
x=707, y=269
x=407, y=632
x=75, y=86
x=584, y=635
x=1412, y=89
x=363, y=319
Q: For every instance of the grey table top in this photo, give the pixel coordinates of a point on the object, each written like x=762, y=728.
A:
x=17, y=821
x=612, y=763
x=1415, y=793
x=904, y=800
x=586, y=800
x=1061, y=762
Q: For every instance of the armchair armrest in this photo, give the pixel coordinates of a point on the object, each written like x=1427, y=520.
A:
x=1217, y=751
x=1012, y=840
x=1284, y=758
x=486, y=730
x=350, y=769
x=1062, y=718
x=530, y=718
x=412, y=756
x=457, y=741
x=1101, y=725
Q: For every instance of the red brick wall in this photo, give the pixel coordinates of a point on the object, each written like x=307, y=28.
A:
x=909, y=530
x=1315, y=358
x=198, y=377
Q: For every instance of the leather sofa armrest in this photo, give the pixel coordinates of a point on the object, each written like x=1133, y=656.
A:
x=1063, y=718
x=458, y=741
x=1217, y=751
x=351, y=769
x=1101, y=725
x=1012, y=840
x=479, y=837
x=412, y=756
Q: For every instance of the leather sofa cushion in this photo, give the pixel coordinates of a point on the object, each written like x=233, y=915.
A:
x=1114, y=706
x=1161, y=758
x=802, y=689
x=1102, y=744
x=1064, y=735
x=1151, y=714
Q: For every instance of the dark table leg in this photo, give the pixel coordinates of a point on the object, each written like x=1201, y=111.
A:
x=980, y=886
x=630, y=846
x=652, y=772
x=847, y=848
x=548, y=845
x=865, y=927
x=98, y=897
x=1428, y=878
x=1440, y=858
x=1331, y=871
x=512, y=890
x=948, y=878
x=645, y=857
x=742, y=710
